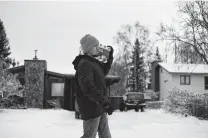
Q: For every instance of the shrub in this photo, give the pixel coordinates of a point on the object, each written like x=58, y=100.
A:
x=153, y=95
x=54, y=103
x=9, y=85
x=186, y=102
x=12, y=102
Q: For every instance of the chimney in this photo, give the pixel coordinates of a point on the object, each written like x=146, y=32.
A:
x=35, y=58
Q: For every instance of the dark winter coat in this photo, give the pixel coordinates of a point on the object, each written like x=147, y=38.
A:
x=90, y=85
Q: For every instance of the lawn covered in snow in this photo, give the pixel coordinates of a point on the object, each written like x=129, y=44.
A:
x=37, y=123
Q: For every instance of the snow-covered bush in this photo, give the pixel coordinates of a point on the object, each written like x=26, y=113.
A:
x=12, y=102
x=153, y=95
x=186, y=102
x=9, y=84
x=54, y=103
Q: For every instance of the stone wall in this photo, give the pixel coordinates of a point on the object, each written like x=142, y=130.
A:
x=34, y=82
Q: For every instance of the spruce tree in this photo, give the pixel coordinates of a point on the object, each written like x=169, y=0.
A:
x=139, y=68
x=4, y=46
x=157, y=55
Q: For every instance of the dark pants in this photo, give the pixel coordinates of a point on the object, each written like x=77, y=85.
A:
x=98, y=124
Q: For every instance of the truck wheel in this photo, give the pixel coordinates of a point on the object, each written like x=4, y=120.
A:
x=137, y=109
x=142, y=109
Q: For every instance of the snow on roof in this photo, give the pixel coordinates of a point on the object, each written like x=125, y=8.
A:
x=185, y=68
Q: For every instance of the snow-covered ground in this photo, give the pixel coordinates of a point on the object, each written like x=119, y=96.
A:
x=36, y=123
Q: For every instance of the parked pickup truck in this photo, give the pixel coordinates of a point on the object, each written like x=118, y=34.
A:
x=133, y=100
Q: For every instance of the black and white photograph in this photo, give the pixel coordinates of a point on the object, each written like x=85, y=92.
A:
x=104, y=69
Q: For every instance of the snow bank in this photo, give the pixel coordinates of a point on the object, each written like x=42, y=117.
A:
x=36, y=123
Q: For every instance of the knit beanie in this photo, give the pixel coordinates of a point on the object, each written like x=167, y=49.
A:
x=88, y=42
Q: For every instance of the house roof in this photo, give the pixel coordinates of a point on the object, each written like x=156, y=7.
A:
x=185, y=68
x=16, y=69
x=110, y=78
x=54, y=74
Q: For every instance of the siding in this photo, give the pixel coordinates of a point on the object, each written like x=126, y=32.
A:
x=197, y=83
x=165, y=82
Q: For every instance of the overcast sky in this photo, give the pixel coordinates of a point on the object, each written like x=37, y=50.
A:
x=55, y=28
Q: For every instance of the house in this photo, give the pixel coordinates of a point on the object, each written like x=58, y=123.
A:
x=42, y=85
x=192, y=77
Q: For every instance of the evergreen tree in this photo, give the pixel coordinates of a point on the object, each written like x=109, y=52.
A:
x=157, y=54
x=139, y=68
x=4, y=46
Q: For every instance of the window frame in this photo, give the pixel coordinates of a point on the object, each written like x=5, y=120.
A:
x=185, y=77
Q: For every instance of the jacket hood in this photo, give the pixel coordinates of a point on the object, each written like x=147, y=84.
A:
x=79, y=58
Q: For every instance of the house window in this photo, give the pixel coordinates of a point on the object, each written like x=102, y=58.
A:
x=206, y=82
x=57, y=89
x=185, y=80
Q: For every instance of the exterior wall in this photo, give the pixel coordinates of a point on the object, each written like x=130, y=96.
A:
x=69, y=95
x=165, y=82
x=154, y=77
x=34, y=82
x=48, y=90
x=197, y=83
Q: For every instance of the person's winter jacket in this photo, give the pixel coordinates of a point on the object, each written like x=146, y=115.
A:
x=90, y=86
